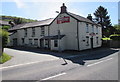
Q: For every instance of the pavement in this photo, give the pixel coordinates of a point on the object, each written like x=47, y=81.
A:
x=99, y=64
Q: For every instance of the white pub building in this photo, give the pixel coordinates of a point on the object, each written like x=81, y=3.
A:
x=67, y=31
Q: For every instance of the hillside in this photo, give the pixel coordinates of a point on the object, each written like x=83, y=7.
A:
x=14, y=19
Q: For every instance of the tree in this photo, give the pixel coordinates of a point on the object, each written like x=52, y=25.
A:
x=18, y=21
x=117, y=29
x=4, y=37
x=102, y=18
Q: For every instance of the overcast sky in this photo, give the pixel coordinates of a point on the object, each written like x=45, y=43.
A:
x=44, y=10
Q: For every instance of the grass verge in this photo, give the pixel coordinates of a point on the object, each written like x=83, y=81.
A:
x=4, y=58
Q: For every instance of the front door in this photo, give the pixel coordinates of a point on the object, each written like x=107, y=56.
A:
x=91, y=42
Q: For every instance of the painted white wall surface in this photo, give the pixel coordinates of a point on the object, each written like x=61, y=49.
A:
x=67, y=29
x=82, y=36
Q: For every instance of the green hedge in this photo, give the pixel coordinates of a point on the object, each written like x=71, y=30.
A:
x=115, y=37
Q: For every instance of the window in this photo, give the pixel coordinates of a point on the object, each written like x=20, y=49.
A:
x=22, y=40
x=97, y=40
x=55, y=43
x=42, y=31
x=33, y=32
x=87, y=42
x=93, y=28
x=36, y=42
x=30, y=41
x=25, y=31
x=46, y=42
x=87, y=29
x=96, y=30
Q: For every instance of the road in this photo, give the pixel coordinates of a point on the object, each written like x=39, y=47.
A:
x=101, y=65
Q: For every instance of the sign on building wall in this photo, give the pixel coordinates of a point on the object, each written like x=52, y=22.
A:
x=64, y=19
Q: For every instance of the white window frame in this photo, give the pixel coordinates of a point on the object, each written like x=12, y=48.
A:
x=96, y=29
x=87, y=40
x=42, y=31
x=25, y=31
x=93, y=28
x=87, y=28
x=36, y=42
x=33, y=32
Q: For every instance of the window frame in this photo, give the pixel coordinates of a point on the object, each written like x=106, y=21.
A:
x=87, y=28
x=93, y=28
x=25, y=32
x=42, y=31
x=33, y=32
x=55, y=43
x=87, y=40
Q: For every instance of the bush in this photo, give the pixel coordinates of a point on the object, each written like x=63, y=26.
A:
x=4, y=58
x=115, y=37
x=4, y=36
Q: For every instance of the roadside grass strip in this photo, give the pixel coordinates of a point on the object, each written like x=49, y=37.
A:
x=5, y=57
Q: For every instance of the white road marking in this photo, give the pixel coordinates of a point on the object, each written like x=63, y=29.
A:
x=54, y=76
x=19, y=65
x=99, y=62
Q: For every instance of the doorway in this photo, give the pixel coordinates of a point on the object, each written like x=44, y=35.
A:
x=91, y=39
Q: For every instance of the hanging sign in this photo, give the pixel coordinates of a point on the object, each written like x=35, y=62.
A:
x=64, y=19
x=92, y=34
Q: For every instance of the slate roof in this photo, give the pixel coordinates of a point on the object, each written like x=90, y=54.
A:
x=49, y=21
x=4, y=22
x=33, y=24
x=80, y=18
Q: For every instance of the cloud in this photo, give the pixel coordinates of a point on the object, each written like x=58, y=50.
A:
x=19, y=3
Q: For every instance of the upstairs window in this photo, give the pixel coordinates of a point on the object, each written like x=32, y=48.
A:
x=42, y=31
x=87, y=29
x=25, y=31
x=33, y=32
x=96, y=30
x=93, y=28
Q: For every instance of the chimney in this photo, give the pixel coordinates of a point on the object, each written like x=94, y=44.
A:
x=89, y=17
x=63, y=8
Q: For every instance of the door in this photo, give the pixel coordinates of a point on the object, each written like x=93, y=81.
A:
x=91, y=42
x=42, y=43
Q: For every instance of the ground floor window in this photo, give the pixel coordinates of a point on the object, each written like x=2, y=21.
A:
x=23, y=40
x=97, y=40
x=56, y=43
x=87, y=40
x=36, y=42
x=30, y=41
x=46, y=42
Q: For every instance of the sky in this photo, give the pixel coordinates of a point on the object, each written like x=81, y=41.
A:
x=43, y=10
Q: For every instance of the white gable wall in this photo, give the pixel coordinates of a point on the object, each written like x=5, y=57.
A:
x=67, y=29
